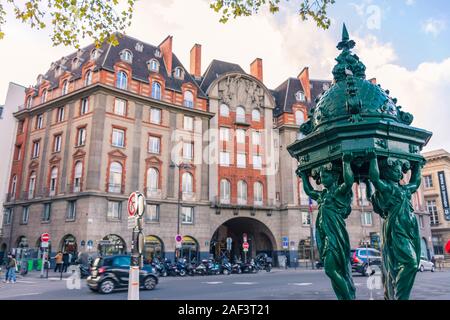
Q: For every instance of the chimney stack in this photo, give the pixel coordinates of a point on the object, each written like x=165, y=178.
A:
x=256, y=69
x=166, y=50
x=304, y=80
x=196, y=60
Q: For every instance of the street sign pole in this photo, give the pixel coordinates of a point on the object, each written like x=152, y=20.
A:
x=45, y=237
x=136, y=208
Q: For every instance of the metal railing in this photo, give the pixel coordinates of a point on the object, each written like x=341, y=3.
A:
x=115, y=188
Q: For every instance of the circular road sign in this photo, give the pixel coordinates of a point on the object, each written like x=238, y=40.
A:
x=45, y=237
x=140, y=201
x=178, y=238
x=245, y=245
x=132, y=204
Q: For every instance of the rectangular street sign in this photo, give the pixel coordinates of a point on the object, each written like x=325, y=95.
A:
x=131, y=222
x=44, y=244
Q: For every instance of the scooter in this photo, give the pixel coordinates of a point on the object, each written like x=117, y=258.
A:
x=212, y=267
x=250, y=267
x=225, y=267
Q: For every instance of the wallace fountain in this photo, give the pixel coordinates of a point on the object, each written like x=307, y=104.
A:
x=357, y=133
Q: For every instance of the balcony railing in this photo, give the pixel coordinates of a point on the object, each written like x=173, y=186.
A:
x=153, y=193
x=73, y=188
x=235, y=201
x=115, y=188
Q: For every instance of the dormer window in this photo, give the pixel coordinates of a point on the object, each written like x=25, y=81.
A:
x=94, y=54
x=153, y=65
x=75, y=63
x=188, y=99
x=300, y=96
x=44, y=96
x=139, y=47
x=158, y=53
x=126, y=56
x=179, y=73
x=40, y=78
x=58, y=71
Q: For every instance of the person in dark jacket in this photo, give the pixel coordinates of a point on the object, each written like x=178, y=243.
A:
x=65, y=261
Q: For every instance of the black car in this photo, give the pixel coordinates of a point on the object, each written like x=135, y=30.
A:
x=112, y=272
x=364, y=259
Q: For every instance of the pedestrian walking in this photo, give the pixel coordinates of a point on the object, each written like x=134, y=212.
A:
x=7, y=267
x=11, y=269
x=65, y=261
x=59, y=261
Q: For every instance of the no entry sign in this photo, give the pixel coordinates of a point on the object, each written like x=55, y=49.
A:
x=245, y=246
x=45, y=237
x=132, y=204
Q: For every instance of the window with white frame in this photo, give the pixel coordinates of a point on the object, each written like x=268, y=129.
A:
x=53, y=181
x=187, y=183
x=81, y=137
x=44, y=96
x=187, y=215
x=126, y=56
x=29, y=102
x=306, y=219
x=88, y=78
x=224, y=160
x=241, y=160
x=188, y=123
x=224, y=110
x=153, y=65
x=152, y=213
x=242, y=192
x=155, y=115
x=240, y=136
x=156, y=91
x=154, y=144
x=188, y=150
x=94, y=54
x=122, y=80
x=258, y=190
x=13, y=187
x=71, y=210
x=39, y=121
x=240, y=114
x=77, y=176
x=179, y=73
x=25, y=214
x=84, y=105
x=366, y=219
x=428, y=181
x=299, y=117
x=65, y=87
x=35, y=151
x=432, y=209
x=114, y=210
x=118, y=138
x=225, y=191
x=224, y=134
x=115, y=177
x=8, y=216
x=256, y=115
x=60, y=114
x=256, y=138
x=57, y=143
x=120, y=107
x=152, y=180
x=188, y=100
x=31, y=185
x=257, y=162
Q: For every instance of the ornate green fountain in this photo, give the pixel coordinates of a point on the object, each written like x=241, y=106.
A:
x=358, y=132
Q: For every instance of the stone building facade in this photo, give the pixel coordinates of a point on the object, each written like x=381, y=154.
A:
x=436, y=176
x=208, y=150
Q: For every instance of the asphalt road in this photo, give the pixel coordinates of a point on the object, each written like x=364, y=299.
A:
x=278, y=284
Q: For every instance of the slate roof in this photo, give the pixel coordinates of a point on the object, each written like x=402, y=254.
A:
x=216, y=69
x=284, y=94
x=111, y=55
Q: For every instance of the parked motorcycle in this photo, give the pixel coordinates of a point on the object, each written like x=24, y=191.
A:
x=160, y=267
x=250, y=267
x=236, y=267
x=225, y=267
x=263, y=262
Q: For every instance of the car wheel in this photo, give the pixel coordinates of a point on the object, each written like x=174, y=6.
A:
x=107, y=286
x=149, y=283
x=422, y=269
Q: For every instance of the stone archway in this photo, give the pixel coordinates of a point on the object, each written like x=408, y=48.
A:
x=259, y=236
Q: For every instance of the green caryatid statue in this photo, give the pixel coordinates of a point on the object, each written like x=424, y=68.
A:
x=349, y=118
x=331, y=234
x=401, y=238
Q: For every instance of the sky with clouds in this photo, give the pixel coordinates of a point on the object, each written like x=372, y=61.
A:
x=403, y=43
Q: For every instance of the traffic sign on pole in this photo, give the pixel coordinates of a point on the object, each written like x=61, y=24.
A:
x=229, y=242
x=245, y=246
x=132, y=204
x=45, y=237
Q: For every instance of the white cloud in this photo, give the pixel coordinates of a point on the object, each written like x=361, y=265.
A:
x=434, y=26
x=410, y=2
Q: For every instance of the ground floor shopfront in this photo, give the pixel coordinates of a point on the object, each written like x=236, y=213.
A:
x=97, y=224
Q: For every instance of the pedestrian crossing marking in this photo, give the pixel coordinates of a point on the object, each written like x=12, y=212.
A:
x=301, y=284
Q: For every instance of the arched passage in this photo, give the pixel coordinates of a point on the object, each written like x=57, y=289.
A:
x=259, y=238
x=68, y=244
x=112, y=244
x=189, y=249
x=153, y=247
